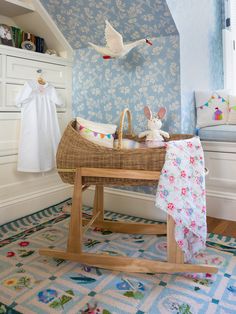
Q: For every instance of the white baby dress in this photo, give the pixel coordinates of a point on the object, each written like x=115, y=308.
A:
x=40, y=133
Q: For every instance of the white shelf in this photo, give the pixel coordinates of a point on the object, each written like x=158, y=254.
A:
x=32, y=17
x=32, y=55
x=12, y=8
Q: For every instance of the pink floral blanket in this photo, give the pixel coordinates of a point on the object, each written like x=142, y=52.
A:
x=181, y=193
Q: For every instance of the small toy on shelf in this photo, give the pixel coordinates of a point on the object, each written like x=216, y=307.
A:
x=51, y=52
x=154, y=135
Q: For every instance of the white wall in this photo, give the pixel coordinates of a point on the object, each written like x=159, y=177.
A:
x=199, y=23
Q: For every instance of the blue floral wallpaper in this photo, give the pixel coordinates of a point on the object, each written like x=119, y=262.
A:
x=148, y=75
x=82, y=21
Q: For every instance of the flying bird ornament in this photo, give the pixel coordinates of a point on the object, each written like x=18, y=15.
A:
x=115, y=47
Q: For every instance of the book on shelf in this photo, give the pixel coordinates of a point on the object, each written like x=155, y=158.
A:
x=39, y=42
x=17, y=36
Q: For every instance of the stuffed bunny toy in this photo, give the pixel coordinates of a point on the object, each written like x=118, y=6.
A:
x=154, y=134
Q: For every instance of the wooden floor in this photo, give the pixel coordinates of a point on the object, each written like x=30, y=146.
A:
x=220, y=226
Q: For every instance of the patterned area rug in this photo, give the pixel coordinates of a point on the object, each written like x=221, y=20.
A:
x=30, y=283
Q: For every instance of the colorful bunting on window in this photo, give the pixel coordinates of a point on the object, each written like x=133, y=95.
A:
x=96, y=134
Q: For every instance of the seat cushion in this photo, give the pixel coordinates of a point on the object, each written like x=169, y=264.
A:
x=232, y=109
x=221, y=133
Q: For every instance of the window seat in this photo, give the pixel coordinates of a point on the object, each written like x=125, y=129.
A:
x=221, y=133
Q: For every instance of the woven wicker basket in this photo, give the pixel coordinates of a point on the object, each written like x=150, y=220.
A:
x=74, y=151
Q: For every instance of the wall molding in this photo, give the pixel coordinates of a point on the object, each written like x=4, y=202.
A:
x=220, y=204
x=127, y=202
x=29, y=203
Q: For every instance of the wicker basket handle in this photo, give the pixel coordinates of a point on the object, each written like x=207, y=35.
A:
x=121, y=127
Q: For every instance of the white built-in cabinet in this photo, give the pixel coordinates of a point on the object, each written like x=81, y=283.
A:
x=220, y=159
x=24, y=193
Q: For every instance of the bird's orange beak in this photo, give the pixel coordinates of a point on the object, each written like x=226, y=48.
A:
x=148, y=42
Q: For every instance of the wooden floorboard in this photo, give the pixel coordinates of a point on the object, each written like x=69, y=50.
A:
x=220, y=226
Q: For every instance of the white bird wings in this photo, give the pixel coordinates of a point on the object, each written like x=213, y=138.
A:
x=102, y=50
x=113, y=38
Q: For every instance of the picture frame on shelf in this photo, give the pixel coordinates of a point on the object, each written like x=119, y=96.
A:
x=6, y=37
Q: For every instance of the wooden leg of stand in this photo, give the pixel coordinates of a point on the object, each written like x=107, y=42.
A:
x=174, y=253
x=99, y=202
x=75, y=236
x=128, y=264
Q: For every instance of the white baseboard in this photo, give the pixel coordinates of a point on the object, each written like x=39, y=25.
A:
x=128, y=203
x=29, y=203
x=219, y=205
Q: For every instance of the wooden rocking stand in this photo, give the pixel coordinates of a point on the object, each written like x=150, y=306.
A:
x=175, y=257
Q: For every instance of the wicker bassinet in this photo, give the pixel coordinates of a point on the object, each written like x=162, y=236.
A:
x=74, y=151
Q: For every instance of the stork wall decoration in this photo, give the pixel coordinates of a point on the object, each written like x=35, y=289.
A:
x=115, y=47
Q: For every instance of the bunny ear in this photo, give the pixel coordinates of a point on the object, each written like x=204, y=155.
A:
x=147, y=112
x=161, y=113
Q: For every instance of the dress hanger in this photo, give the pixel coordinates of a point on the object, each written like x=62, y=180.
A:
x=40, y=79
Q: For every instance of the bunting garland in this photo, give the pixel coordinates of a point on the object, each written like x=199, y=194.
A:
x=96, y=134
x=214, y=97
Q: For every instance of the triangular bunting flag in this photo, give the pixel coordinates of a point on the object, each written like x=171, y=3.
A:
x=102, y=135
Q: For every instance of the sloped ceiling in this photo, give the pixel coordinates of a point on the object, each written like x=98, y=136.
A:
x=82, y=21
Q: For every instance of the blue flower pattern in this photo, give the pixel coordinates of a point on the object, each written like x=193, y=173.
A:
x=84, y=20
